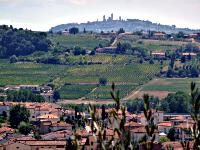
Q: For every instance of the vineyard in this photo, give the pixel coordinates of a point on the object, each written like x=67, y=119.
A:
x=103, y=92
x=102, y=59
x=75, y=91
x=126, y=76
x=84, y=41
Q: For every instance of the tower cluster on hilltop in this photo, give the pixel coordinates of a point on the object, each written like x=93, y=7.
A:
x=111, y=18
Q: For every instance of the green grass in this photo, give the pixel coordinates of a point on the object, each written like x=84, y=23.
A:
x=103, y=92
x=84, y=41
x=173, y=85
x=75, y=91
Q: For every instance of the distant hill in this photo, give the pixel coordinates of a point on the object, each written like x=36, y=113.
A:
x=130, y=25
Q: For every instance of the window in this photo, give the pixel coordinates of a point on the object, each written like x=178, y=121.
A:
x=60, y=146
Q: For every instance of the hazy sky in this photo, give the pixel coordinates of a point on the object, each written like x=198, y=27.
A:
x=43, y=14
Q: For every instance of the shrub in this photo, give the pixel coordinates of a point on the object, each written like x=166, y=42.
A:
x=102, y=81
x=24, y=128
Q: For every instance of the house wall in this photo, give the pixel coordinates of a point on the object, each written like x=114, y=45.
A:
x=17, y=146
x=164, y=129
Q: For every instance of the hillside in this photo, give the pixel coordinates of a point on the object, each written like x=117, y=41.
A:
x=74, y=64
x=130, y=25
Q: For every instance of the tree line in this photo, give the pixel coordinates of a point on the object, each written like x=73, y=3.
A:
x=21, y=42
x=24, y=96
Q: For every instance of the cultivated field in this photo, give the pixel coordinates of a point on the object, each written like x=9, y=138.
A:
x=162, y=87
x=83, y=41
x=127, y=77
x=151, y=45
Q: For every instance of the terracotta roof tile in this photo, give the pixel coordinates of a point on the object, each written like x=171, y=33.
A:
x=48, y=116
x=43, y=143
x=165, y=124
x=6, y=129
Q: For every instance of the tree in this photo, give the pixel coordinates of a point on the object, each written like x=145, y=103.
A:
x=79, y=51
x=2, y=99
x=121, y=30
x=18, y=114
x=176, y=103
x=74, y=30
x=56, y=95
x=13, y=59
x=25, y=128
x=84, y=30
x=151, y=61
x=102, y=81
x=71, y=144
x=194, y=72
x=183, y=59
x=171, y=134
x=164, y=139
x=103, y=113
x=120, y=49
x=195, y=103
x=172, y=62
x=92, y=52
x=4, y=114
x=21, y=42
x=141, y=61
x=24, y=96
x=180, y=35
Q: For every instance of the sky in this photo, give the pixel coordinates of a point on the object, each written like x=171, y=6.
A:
x=41, y=15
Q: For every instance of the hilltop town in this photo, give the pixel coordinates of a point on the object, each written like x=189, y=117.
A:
x=130, y=25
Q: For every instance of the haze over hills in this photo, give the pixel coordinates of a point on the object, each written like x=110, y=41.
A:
x=129, y=25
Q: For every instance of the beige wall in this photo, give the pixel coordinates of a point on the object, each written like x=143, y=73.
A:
x=164, y=129
x=158, y=117
x=18, y=146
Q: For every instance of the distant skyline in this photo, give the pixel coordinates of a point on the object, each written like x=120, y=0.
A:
x=41, y=15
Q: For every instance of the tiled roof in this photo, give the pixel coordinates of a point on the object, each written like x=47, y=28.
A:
x=180, y=118
x=187, y=54
x=6, y=129
x=48, y=116
x=57, y=134
x=61, y=124
x=133, y=124
x=158, y=53
x=43, y=143
x=165, y=124
x=141, y=130
x=184, y=125
x=175, y=145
